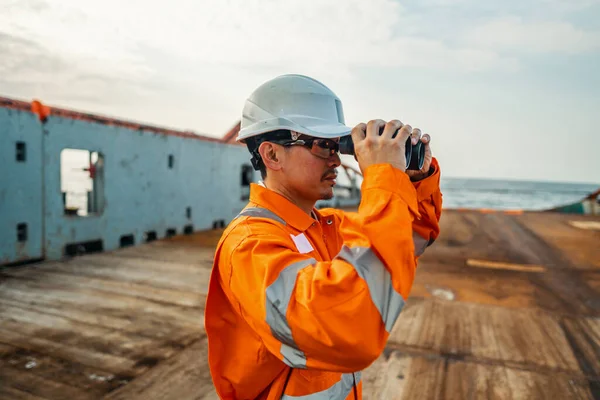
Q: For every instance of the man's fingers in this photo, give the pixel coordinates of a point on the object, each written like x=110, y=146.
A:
x=358, y=132
x=391, y=127
x=374, y=127
x=415, y=136
x=426, y=140
x=404, y=133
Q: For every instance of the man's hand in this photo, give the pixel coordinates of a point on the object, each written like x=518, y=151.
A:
x=424, y=171
x=370, y=148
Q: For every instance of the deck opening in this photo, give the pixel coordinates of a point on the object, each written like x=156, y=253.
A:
x=247, y=174
x=127, y=240
x=82, y=182
x=21, y=154
x=219, y=223
x=188, y=212
x=188, y=229
x=171, y=232
x=171, y=161
x=22, y=232
x=150, y=236
x=91, y=246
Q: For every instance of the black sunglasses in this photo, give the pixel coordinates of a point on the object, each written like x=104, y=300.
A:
x=322, y=148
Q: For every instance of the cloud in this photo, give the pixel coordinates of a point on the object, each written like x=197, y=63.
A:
x=28, y=65
x=22, y=57
x=128, y=58
x=111, y=36
x=548, y=9
x=445, y=65
x=513, y=34
x=561, y=6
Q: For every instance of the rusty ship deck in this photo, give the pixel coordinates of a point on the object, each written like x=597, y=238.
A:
x=504, y=307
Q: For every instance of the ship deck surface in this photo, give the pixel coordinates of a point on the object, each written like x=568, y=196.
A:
x=503, y=307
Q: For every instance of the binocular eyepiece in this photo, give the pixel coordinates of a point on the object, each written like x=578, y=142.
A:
x=415, y=154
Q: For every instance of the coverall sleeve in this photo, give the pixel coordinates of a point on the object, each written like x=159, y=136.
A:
x=426, y=228
x=331, y=315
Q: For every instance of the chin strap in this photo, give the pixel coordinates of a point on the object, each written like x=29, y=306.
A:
x=255, y=160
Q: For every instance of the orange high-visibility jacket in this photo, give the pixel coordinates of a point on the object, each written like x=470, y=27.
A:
x=298, y=306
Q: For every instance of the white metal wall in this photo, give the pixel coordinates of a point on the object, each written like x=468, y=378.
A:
x=20, y=187
x=141, y=192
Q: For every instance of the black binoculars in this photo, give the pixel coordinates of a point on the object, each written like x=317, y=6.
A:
x=415, y=154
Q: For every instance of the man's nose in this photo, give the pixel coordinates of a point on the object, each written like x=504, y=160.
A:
x=334, y=161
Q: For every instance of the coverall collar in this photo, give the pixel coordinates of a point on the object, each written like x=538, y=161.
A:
x=282, y=207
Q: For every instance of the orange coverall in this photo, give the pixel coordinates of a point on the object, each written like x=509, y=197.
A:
x=298, y=306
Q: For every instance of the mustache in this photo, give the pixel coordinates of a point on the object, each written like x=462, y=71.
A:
x=329, y=173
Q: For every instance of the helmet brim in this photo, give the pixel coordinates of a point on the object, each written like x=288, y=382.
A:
x=329, y=131
x=300, y=125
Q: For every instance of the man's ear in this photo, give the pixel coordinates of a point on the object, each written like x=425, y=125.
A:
x=269, y=153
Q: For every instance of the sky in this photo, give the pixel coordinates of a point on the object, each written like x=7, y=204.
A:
x=505, y=89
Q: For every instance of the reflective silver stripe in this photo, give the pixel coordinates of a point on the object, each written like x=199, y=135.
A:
x=371, y=269
x=260, y=212
x=339, y=391
x=420, y=244
x=279, y=294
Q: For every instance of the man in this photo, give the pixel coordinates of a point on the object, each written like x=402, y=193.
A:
x=300, y=300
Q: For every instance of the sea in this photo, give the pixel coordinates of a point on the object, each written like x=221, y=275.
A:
x=511, y=194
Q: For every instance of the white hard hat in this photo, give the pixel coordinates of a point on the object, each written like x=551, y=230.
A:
x=294, y=102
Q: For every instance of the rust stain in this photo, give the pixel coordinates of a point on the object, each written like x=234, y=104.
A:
x=13, y=104
x=231, y=135
x=44, y=111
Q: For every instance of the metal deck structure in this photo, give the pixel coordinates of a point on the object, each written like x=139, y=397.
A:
x=145, y=182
